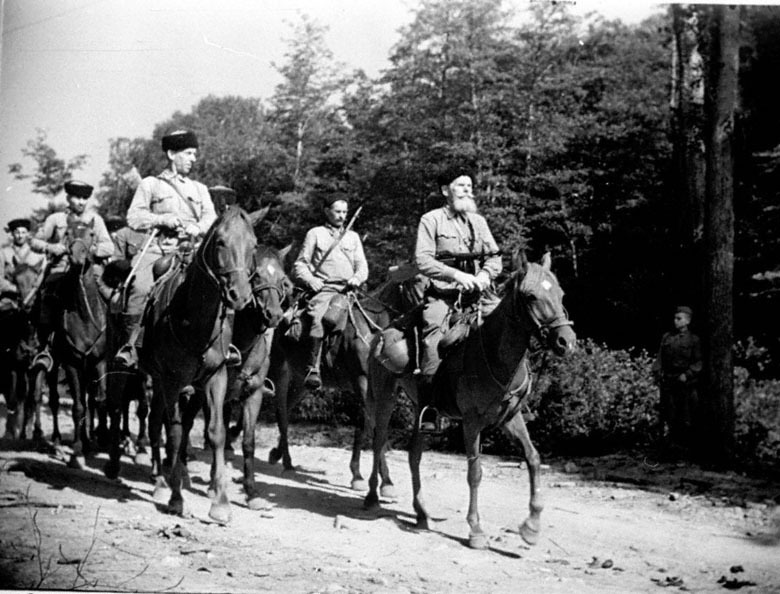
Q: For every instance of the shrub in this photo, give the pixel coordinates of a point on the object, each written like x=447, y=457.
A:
x=757, y=424
x=594, y=398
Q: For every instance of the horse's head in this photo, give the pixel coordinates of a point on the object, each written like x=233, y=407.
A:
x=537, y=289
x=79, y=239
x=25, y=277
x=270, y=285
x=227, y=253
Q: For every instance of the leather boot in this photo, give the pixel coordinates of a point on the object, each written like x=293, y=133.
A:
x=312, y=379
x=127, y=355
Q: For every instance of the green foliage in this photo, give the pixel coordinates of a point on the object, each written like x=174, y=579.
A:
x=51, y=172
x=757, y=427
x=594, y=399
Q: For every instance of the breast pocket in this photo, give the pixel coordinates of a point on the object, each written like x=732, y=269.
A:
x=163, y=203
x=447, y=241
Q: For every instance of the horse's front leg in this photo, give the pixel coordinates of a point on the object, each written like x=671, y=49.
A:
x=284, y=404
x=99, y=405
x=216, y=387
x=517, y=431
x=358, y=482
x=477, y=538
x=250, y=410
x=53, y=380
x=173, y=446
x=115, y=403
x=80, y=421
x=378, y=407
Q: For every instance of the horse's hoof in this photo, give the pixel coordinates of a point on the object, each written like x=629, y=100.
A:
x=111, y=469
x=161, y=491
x=258, y=503
x=359, y=485
x=77, y=462
x=529, y=534
x=388, y=492
x=176, y=507
x=478, y=541
x=371, y=503
x=274, y=456
x=142, y=459
x=220, y=512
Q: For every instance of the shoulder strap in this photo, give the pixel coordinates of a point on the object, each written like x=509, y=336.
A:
x=187, y=201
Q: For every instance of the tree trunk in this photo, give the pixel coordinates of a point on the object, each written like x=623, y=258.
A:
x=721, y=95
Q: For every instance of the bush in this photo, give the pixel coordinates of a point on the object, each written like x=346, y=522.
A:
x=757, y=425
x=594, y=399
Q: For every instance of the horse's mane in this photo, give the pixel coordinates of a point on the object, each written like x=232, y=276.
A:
x=23, y=267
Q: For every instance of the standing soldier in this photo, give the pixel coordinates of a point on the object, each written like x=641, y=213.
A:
x=331, y=257
x=454, y=228
x=676, y=370
x=17, y=253
x=49, y=240
x=174, y=207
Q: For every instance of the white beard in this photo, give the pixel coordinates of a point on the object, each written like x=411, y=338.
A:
x=464, y=205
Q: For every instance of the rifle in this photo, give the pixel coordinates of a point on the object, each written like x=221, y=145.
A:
x=337, y=241
x=454, y=258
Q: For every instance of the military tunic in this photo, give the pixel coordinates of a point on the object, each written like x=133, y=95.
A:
x=347, y=260
x=12, y=256
x=156, y=196
x=679, y=354
x=444, y=230
x=53, y=231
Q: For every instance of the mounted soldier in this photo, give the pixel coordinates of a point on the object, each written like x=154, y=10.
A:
x=17, y=253
x=170, y=208
x=330, y=260
x=50, y=240
x=456, y=251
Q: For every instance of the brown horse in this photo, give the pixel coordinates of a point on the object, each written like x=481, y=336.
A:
x=79, y=345
x=483, y=381
x=185, y=343
x=349, y=355
x=18, y=345
x=253, y=330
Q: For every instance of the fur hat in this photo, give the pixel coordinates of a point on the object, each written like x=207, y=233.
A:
x=16, y=223
x=179, y=140
x=684, y=309
x=453, y=172
x=78, y=188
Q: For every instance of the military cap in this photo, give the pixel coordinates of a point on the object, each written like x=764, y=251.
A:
x=684, y=309
x=229, y=194
x=331, y=197
x=16, y=223
x=78, y=188
x=179, y=140
x=453, y=172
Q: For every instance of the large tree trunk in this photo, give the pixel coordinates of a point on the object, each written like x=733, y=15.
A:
x=722, y=67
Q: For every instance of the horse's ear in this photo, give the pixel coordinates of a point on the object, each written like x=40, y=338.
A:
x=284, y=251
x=259, y=215
x=546, y=261
x=520, y=261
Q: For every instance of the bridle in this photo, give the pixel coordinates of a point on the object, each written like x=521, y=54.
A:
x=218, y=276
x=542, y=327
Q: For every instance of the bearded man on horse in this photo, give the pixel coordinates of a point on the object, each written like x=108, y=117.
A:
x=330, y=260
x=50, y=240
x=456, y=251
x=171, y=208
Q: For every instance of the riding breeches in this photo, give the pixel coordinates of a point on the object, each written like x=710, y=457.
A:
x=315, y=309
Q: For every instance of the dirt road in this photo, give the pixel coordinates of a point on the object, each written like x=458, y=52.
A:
x=610, y=525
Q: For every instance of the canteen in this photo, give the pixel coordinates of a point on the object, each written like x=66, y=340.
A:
x=335, y=318
x=392, y=350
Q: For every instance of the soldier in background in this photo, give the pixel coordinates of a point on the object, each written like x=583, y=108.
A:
x=17, y=253
x=676, y=371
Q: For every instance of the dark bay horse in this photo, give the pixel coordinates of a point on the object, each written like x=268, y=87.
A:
x=349, y=355
x=18, y=344
x=79, y=345
x=253, y=330
x=483, y=381
x=185, y=343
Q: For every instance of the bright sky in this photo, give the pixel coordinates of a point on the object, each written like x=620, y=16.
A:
x=90, y=70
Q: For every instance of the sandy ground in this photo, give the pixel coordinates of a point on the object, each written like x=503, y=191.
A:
x=615, y=524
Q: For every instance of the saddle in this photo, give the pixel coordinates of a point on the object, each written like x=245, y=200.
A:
x=161, y=295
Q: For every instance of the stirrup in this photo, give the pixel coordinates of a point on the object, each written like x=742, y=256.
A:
x=43, y=359
x=126, y=356
x=233, y=357
x=430, y=421
x=312, y=379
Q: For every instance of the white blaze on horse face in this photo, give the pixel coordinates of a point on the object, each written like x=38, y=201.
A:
x=271, y=269
x=546, y=285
